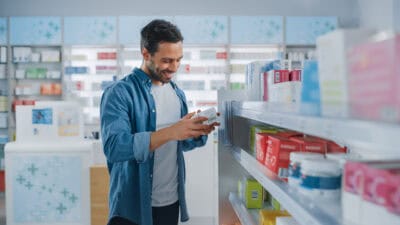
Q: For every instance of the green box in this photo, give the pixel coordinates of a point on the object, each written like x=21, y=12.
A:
x=253, y=193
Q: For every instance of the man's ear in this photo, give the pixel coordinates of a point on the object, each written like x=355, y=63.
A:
x=146, y=54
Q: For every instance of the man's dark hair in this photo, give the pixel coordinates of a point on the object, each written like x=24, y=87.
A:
x=158, y=31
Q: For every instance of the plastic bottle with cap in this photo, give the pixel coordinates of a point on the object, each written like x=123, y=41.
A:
x=320, y=178
x=295, y=165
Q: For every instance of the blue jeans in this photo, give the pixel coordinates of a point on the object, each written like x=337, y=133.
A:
x=165, y=215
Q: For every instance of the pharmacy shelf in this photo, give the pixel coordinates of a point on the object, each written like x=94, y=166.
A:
x=245, y=216
x=305, y=210
x=356, y=134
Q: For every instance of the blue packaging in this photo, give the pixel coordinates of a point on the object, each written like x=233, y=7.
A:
x=310, y=91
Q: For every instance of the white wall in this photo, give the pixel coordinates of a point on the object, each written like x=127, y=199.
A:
x=379, y=13
x=344, y=9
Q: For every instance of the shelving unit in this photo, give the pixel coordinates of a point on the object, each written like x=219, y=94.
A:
x=35, y=73
x=363, y=137
x=88, y=69
x=202, y=72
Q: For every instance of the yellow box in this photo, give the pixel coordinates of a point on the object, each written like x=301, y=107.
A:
x=268, y=217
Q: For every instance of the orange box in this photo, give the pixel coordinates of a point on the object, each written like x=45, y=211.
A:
x=278, y=154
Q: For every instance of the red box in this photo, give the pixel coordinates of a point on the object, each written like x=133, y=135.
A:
x=261, y=146
x=289, y=134
x=278, y=154
x=221, y=55
x=308, y=144
x=331, y=146
x=295, y=75
x=2, y=181
x=281, y=76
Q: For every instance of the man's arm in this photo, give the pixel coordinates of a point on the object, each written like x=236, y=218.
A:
x=184, y=129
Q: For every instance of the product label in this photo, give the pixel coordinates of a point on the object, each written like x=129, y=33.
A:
x=326, y=183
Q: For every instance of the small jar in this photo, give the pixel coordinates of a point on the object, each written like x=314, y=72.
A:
x=295, y=165
x=320, y=178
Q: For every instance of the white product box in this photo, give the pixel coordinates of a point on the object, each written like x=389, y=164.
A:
x=50, y=56
x=254, y=84
x=333, y=73
x=53, y=74
x=3, y=120
x=20, y=74
x=35, y=57
x=3, y=54
x=22, y=54
x=3, y=74
x=49, y=120
x=210, y=113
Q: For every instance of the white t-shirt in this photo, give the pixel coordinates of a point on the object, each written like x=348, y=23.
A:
x=165, y=170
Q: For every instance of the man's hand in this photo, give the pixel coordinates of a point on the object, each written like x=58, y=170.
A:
x=185, y=128
x=189, y=127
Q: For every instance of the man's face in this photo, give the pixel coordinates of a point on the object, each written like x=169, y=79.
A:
x=162, y=66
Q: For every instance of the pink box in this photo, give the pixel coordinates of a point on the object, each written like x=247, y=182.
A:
x=376, y=182
x=374, y=80
x=392, y=195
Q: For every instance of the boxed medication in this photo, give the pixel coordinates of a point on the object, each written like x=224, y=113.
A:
x=251, y=192
x=310, y=103
x=374, y=80
x=333, y=73
x=268, y=217
x=278, y=154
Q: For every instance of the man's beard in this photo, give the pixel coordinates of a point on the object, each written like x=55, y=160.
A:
x=156, y=75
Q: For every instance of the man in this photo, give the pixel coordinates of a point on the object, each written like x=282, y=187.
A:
x=145, y=129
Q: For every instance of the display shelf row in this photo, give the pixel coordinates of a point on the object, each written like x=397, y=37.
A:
x=305, y=210
x=245, y=216
x=353, y=133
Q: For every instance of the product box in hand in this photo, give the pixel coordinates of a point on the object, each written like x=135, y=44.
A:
x=331, y=49
x=278, y=154
x=211, y=115
x=374, y=80
x=252, y=193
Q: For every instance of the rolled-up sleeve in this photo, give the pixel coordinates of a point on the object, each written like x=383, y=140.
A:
x=120, y=141
x=192, y=143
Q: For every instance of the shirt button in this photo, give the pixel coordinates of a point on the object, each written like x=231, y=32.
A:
x=153, y=110
x=151, y=175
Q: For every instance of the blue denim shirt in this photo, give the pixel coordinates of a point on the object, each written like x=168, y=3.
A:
x=128, y=117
